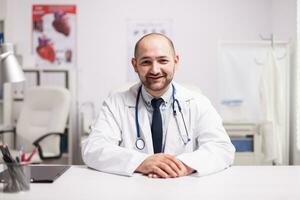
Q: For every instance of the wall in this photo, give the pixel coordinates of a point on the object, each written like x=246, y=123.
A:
x=198, y=26
x=2, y=9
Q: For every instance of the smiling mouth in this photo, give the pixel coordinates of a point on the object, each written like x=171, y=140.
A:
x=156, y=77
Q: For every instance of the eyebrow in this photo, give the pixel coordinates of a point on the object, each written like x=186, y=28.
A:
x=158, y=57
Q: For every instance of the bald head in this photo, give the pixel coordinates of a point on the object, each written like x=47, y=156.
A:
x=153, y=36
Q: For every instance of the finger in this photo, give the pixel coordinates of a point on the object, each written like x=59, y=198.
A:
x=189, y=170
x=172, y=165
x=178, y=163
x=159, y=172
x=182, y=169
x=150, y=175
x=155, y=176
x=167, y=159
x=166, y=168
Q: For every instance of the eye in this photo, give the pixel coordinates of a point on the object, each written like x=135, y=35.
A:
x=163, y=61
x=145, y=62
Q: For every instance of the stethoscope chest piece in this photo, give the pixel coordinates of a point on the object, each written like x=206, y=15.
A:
x=140, y=144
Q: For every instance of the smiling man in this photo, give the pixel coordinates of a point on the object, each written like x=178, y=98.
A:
x=155, y=62
x=157, y=127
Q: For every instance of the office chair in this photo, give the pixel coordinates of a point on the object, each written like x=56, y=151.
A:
x=42, y=122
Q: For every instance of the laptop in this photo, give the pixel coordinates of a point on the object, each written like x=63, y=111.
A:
x=42, y=173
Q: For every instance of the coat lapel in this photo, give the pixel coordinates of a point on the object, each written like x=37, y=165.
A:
x=173, y=143
x=145, y=127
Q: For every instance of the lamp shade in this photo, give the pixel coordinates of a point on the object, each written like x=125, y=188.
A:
x=11, y=70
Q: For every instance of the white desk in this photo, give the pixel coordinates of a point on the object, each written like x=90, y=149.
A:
x=238, y=182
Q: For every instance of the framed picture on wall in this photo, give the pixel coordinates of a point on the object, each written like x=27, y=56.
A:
x=54, y=35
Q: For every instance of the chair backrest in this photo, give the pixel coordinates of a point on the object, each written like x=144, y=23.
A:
x=45, y=109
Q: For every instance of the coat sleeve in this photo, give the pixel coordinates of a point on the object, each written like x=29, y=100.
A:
x=101, y=149
x=214, y=151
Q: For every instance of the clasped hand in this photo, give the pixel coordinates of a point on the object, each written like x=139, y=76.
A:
x=163, y=166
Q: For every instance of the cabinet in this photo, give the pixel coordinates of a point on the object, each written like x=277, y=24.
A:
x=247, y=140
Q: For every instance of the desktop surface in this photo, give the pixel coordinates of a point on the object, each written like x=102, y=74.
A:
x=238, y=182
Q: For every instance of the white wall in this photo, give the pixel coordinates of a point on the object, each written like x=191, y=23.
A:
x=198, y=26
x=2, y=9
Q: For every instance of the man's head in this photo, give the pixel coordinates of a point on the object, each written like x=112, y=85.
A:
x=155, y=62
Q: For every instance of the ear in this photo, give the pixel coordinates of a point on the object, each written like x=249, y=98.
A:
x=176, y=61
x=134, y=64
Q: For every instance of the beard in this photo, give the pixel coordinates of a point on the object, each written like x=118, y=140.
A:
x=157, y=83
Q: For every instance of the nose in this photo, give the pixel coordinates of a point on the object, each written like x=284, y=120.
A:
x=155, y=69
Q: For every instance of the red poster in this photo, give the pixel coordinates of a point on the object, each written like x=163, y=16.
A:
x=54, y=35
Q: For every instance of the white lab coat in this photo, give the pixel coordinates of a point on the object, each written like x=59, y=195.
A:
x=111, y=148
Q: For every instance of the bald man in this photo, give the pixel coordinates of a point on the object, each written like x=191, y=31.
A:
x=157, y=127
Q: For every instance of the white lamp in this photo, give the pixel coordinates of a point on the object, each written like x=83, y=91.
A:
x=11, y=70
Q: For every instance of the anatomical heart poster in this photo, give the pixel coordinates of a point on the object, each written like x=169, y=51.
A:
x=54, y=35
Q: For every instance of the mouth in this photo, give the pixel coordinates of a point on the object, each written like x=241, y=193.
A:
x=155, y=77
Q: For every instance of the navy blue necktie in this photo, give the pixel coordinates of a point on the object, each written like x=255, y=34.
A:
x=156, y=127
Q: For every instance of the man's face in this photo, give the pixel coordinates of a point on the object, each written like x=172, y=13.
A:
x=155, y=64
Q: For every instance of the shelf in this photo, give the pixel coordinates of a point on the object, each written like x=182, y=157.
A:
x=40, y=76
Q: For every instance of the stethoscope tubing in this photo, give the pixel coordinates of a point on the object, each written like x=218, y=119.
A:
x=140, y=143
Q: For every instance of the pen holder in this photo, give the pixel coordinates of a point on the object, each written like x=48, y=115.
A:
x=16, y=177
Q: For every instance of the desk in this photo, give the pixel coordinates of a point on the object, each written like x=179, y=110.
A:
x=238, y=182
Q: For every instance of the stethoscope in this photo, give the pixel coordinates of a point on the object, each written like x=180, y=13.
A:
x=140, y=143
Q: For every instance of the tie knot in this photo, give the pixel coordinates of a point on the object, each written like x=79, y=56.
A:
x=156, y=102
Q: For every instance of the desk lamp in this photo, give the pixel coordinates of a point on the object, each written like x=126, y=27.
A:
x=11, y=70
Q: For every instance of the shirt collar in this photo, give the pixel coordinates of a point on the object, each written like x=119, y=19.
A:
x=181, y=94
x=148, y=97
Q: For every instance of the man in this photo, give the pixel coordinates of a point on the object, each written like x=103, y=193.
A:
x=143, y=130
